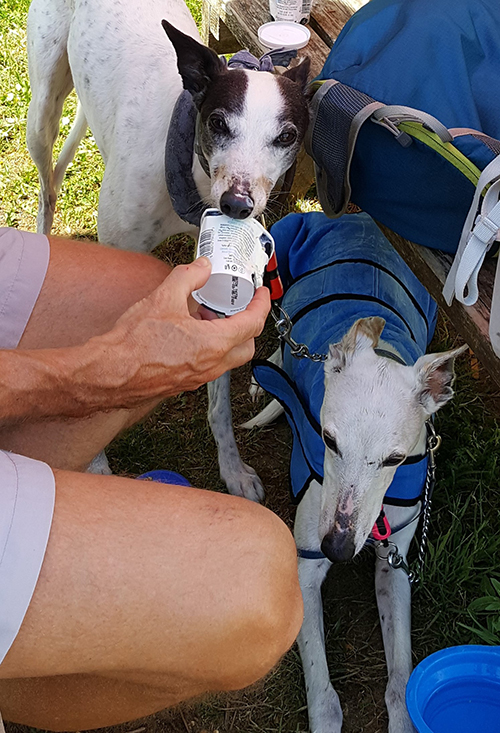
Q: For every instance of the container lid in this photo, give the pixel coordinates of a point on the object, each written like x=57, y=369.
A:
x=284, y=34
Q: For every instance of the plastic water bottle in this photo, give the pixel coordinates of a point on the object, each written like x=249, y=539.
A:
x=296, y=11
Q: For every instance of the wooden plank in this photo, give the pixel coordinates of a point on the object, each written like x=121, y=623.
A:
x=329, y=17
x=472, y=322
x=243, y=18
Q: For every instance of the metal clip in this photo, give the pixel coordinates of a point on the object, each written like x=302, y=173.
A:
x=396, y=560
x=283, y=325
x=433, y=440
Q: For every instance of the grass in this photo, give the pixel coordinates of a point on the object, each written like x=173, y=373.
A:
x=458, y=601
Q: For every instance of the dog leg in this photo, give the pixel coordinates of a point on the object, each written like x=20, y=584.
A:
x=325, y=714
x=394, y=605
x=254, y=390
x=240, y=479
x=51, y=82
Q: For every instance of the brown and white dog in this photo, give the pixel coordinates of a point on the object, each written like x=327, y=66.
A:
x=128, y=76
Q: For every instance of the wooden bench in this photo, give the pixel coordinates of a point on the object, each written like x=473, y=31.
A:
x=229, y=25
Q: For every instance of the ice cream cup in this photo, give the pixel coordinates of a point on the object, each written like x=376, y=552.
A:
x=239, y=250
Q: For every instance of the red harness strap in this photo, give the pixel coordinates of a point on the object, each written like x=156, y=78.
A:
x=381, y=529
x=272, y=278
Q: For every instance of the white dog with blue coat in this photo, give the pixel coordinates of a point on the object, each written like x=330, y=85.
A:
x=362, y=430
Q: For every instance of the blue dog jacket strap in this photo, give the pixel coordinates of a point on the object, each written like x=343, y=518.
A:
x=310, y=554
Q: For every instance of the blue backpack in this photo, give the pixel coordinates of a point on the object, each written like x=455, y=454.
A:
x=406, y=124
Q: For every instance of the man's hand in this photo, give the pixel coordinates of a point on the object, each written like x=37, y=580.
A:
x=160, y=347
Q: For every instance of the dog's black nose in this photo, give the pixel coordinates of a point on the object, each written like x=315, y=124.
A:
x=236, y=205
x=338, y=546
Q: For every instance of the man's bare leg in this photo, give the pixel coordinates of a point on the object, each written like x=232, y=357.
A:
x=148, y=595
x=87, y=287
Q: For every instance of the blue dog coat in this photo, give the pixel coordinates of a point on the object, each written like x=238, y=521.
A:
x=334, y=272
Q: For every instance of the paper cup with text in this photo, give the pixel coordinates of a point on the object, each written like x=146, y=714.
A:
x=239, y=250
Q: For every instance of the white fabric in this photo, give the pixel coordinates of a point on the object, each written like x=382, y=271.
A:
x=478, y=235
x=24, y=258
x=27, y=493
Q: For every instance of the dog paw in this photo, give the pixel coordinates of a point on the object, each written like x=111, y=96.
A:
x=395, y=699
x=255, y=391
x=245, y=483
x=100, y=465
x=401, y=723
x=325, y=713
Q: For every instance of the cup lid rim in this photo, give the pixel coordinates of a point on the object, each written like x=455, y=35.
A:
x=301, y=34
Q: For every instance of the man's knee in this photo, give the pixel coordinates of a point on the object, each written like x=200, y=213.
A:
x=270, y=606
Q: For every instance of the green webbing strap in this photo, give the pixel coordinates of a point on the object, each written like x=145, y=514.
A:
x=446, y=150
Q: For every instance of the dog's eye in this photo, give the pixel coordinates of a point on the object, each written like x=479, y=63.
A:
x=394, y=460
x=218, y=124
x=287, y=137
x=331, y=443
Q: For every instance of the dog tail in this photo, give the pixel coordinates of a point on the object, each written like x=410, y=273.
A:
x=267, y=415
x=78, y=130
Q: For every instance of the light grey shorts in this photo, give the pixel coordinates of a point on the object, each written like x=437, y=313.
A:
x=27, y=487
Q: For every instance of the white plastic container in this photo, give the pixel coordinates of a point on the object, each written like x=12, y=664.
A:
x=296, y=11
x=284, y=34
x=239, y=250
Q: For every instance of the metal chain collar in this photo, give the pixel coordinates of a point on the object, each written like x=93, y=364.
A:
x=393, y=557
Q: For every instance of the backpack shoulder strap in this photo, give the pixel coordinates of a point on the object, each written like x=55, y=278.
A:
x=479, y=233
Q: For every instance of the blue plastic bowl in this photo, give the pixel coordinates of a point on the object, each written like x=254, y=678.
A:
x=163, y=476
x=456, y=690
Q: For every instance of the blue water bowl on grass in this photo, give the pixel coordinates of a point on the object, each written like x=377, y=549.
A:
x=456, y=690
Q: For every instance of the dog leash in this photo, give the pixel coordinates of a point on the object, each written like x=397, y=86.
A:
x=283, y=324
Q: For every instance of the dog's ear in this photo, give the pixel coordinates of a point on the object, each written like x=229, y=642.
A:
x=434, y=378
x=197, y=64
x=363, y=334
x=336, y=359
x=299, y=74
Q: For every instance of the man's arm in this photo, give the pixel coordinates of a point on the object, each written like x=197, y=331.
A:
x=156, y=349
